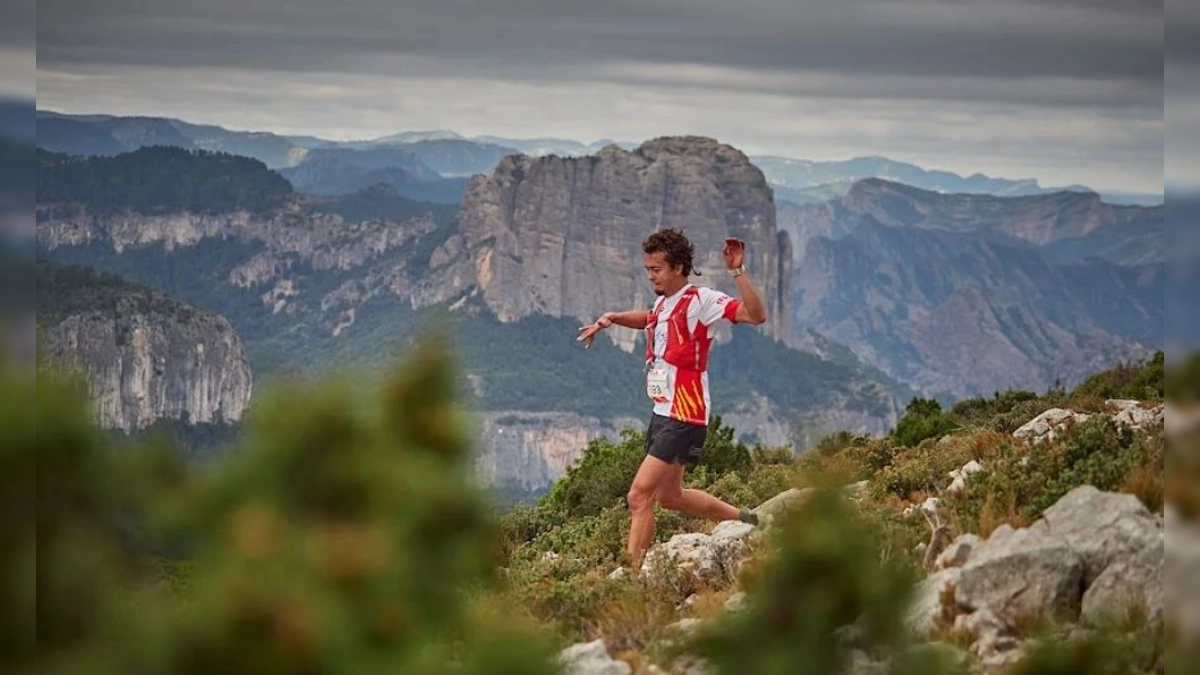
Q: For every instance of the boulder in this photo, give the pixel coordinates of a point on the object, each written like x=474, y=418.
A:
x=958, y=552
x=1133, y=581
x=1022, y=573
x=1048, y=425
x=591, y=658
x=925, y=608
x=774, y=508
x=1102, y=527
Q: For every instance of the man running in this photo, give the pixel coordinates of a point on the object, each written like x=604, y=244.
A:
x=678, y=339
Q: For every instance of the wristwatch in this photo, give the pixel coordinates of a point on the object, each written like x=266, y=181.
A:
x=737, y=271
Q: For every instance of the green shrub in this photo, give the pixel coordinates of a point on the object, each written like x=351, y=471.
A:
x=333, y=540
x=1142, y=381
x=599, y=479
x=923, y=418
x=1096, y=452
x=1133, y=646
x=722, y=454
x=1183, y=382
x=823, y=574
x=978, y=411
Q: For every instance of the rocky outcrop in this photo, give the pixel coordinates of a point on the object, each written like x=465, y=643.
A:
x=562, y=236
x=148, y=358
x=1128, y=414
x=963, y=294
x=1092, y=553
x=963, y=314
x=283, y=240
x=1070, y=225
x=713, y=559
x=591, y=658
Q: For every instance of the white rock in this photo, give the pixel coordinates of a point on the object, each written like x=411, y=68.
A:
x=1046, y=426
x=736, y=602
x=686, y=626
x=772, y=509
x=856, y=490
x=985, y=626
x=959, y=476
x=591, y=658
x=1102, y=527
x=926, y=604
x=1022, y=574
x=715, y=558
x=958, y=552
x=1136, y=581
x=1117, y=405
x=1137, y=417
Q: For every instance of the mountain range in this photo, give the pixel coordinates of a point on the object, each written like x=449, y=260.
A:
x=878, y=292
x=954, y=294
x=537, y=247
x=453, y=155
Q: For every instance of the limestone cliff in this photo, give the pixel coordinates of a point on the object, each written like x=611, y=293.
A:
x=532, y=450
x=562, y=236
x=145, y=356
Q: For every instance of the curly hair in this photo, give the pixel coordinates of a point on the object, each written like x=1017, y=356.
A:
x=675, y=247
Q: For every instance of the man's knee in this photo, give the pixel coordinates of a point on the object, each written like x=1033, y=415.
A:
x=639, y=499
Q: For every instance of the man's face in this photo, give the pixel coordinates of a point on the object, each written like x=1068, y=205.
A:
x=660, y=273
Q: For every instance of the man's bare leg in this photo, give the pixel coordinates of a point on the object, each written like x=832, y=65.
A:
x=649, y=482
x=694, y=502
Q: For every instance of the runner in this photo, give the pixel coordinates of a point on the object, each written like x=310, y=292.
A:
x=678, y=340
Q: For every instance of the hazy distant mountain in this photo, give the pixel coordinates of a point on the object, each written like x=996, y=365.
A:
x=450, y=154
x=414, y=136
x=90, y=135
x=562, y=147
x=956, y=314
x=1068, y=225
x=75, y=137
x=340, y=171
x=456, y=157
x=804, y=181
x=274, y=151
x=957, y=294
x=17, y=120
x=101, y=135
x=1182, y=294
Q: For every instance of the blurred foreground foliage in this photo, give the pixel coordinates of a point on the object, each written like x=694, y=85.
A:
x=339, y=538
x=332, y=541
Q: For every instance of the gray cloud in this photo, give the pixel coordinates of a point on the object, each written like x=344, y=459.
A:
x=1069, y=90
x=1119, y=43
x=17, y=25
x=1182, y=101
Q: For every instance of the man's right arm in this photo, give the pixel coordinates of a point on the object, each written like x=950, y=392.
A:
x=636, y=318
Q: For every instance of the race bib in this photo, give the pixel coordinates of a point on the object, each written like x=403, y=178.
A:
x=656, y=384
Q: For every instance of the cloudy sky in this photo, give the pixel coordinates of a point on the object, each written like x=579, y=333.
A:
x=1068, y=91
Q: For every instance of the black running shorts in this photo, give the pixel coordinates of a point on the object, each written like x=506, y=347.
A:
x=675, y=442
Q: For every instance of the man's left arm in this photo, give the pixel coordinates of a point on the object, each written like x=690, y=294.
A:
x=750, y=309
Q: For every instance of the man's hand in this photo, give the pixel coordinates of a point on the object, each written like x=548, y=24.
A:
x=587, y=334
x=734, y=252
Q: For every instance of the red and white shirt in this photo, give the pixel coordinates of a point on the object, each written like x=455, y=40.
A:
x=687, y=398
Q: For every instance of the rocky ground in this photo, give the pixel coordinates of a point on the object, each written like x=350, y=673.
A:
x=1093, y=556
